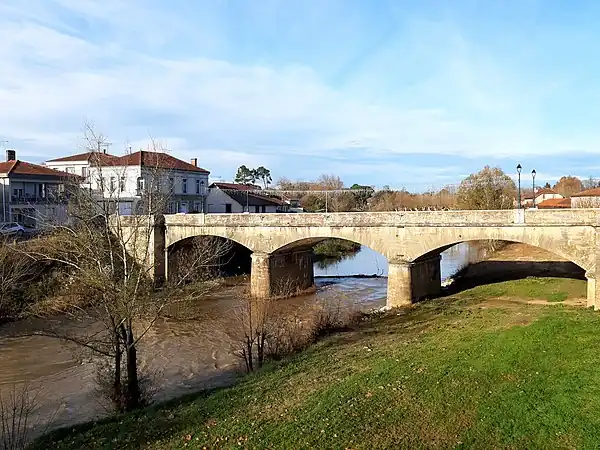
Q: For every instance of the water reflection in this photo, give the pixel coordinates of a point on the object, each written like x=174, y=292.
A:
x=368, y=262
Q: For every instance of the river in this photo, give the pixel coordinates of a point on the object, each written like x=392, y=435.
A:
x=184, y=356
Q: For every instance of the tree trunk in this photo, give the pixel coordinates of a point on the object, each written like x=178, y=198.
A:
x=117, y=393
x=260, y=350
x=133, y=400
x=249, y=358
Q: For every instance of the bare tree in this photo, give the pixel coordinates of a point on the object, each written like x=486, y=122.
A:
x=17, y=408
x=111, y=266
x=568, y=186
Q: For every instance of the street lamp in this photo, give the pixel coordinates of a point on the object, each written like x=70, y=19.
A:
x=533, y=176
x=519, y=186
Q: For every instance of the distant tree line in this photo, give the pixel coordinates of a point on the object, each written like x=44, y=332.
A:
x=490, y=188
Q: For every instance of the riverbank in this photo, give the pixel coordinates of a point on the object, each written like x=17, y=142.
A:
x=512, y=261
x=474, y=370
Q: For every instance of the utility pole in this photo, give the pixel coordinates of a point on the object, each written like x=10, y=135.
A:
x=3, y=145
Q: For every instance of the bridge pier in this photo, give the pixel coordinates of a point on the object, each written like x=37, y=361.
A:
x=260, y=275
x=281, y=274
x=592, y=294
x=409, y=282
x=399, y=288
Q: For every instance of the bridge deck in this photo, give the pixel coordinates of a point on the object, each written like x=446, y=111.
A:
x=531, y=217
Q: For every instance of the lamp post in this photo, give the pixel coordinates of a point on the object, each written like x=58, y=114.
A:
x=533, y=177
x=519, y=186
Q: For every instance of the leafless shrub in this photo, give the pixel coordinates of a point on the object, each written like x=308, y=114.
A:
x=289, y=333
x=200, y=260
x=115, y=397
x=250, y=327
x=334, y=314
x=267, y=329
x=15, y=269
x=17, y=408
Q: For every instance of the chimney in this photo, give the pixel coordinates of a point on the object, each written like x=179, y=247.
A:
x=194, y=162
x=11, y=155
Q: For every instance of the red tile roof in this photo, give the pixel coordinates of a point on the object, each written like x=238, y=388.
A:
x=234, y=191
x=545, y=191
x=588, y=193
x=555, y=203
x=542, y=191
x=24, y=168
x=236, y=186
x=155, y=160
x=84, y=157
x=141, y=158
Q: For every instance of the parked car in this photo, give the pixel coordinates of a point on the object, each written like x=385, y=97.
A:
x=11, y=229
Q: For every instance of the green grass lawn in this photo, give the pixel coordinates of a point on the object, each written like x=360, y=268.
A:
x=458, y=372
x=548, y=289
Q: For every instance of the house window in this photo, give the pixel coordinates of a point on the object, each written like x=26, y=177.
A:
x=197, y=186
x=227, y=207
x=171, y=183
x=171, y=207
x=122, y=184
x=84, y=173
x=202, y=188
x=70, y=169
x=141, y=184
x=184, y=186
x=263, y=209
x=256, y=208
x=113, y=182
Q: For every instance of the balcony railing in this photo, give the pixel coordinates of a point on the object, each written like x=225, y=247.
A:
x=38, y=200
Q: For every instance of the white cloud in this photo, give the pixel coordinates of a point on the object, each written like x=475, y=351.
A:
x=52, y=79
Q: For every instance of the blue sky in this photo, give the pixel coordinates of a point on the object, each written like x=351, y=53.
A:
x=403, y=93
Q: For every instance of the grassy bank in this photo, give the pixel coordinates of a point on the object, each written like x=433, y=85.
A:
x=480, y=369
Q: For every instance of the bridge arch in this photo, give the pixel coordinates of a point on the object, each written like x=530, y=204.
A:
x=421, y=245
x=310, y=236
x=177, y=234
x=207, y=256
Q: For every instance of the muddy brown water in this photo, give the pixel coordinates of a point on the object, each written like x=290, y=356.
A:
x=184, y=356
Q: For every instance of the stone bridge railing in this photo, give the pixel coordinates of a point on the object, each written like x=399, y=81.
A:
x=531, y=217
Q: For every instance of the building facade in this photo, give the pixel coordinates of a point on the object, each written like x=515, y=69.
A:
x=131, y=181
x=541, y=195
x=239, y=198
x=586, y=199
x=32, y=195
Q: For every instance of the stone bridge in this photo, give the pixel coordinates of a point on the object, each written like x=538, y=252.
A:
x=412, y=241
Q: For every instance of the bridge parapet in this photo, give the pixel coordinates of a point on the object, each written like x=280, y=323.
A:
x=530, y=217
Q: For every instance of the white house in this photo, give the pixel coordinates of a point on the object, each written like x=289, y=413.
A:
x=238, y=198
x=126, y=180
x=586, y=199
x=32, y=195
x=541, y=194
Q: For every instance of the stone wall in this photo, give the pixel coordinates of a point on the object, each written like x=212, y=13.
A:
x=426, y=278
x=292, y=273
